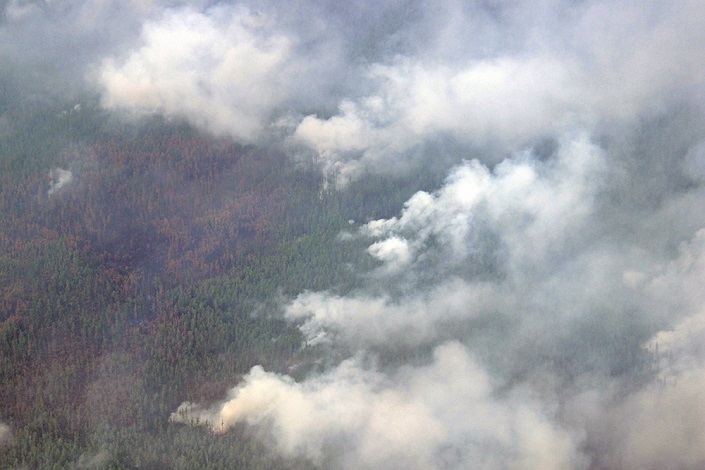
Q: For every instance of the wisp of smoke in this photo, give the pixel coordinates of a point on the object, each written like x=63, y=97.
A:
x=58, y=179
x=6, y=437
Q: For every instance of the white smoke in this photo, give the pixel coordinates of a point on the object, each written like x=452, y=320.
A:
x=442, y=415
x=479, y=75
x=577, y=72
x=225, y=70
x=661, y=425
x=680, y=347
x=363, y=320
x=532, y=212
x=58, y=179
x=559, y=283
x=6, y=437
x=560, y=290
x=534, y=206
x=508, y=99
x=91, y=461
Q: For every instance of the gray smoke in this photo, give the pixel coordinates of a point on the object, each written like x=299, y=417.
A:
x=435, y=416
x=244, y=71
x=541, y=308
x=538, y=310
x=557, y=340
x=58, y=178
x=6, y=437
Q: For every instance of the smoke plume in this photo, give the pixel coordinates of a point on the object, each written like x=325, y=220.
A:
x=58, y=179
x=550, y=331
x=543, y=306
x=6, y=437
x=435, y=416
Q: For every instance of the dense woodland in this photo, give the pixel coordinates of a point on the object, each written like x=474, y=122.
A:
x=154, y=276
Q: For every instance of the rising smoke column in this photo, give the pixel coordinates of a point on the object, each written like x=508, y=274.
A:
x=543, y=364
x=555, y=276
x=560, y=283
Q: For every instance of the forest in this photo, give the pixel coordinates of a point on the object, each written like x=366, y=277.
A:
x=152, y=277
x=403, y=235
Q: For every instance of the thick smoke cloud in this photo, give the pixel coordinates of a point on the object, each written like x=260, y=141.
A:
x=586, y=348
x=543, y=307
x=225, y=70
x=661, y=424
x=549, y=301
x=367, y=86
x=420, y=417
x=560, y=80
x=242, y=71
x=480, y=225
